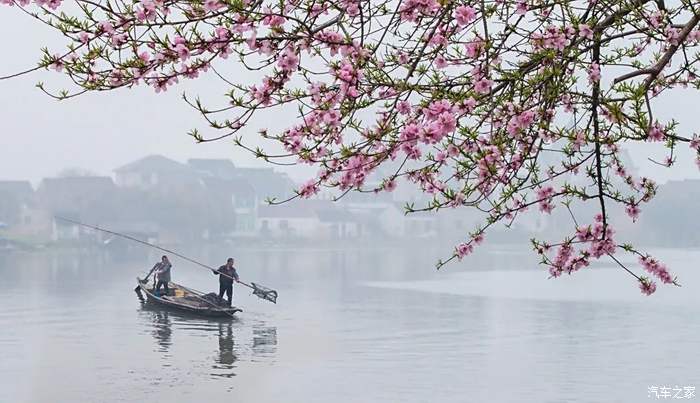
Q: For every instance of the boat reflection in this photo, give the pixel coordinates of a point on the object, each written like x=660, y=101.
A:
x=236, y=339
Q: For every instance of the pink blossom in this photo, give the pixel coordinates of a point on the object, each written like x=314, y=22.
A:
x=656, y=268
x=119, y=39
x=107, y=27
x=52, y=4
x=452, y=150
x=594, y=73
x=464, y=15
x=332, y=117
x=309, y=189
x=694, y=36
x=695, y=143
x=180, y=47
x=146, y=11
x=57, y=63
x=544, y=197
x=222, y=33
x=647, y=286
x=521, y=122
x=656, y=133
x=213, y=5
x=440, y=62
x=273, y=20
x=288, y=60
x=473, y=48
x=579, y=140
x=632, y=211
x=351, y=7
x=463, y=250
x=483, y=86
x=672, y=35
x=252, y=41
x=469, y=104
x=404, y=107
x=585, y=31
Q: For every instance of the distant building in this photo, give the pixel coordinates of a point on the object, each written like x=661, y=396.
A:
x=268, y=183
x=90, y=199
x=239, y=197
x=217, y=168
x=15, y=196
x=155, y=171
x=308, y=219
x=21, y=218
x=336, y=222
x=287, y=221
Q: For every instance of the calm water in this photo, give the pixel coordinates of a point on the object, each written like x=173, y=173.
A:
x=349, y=326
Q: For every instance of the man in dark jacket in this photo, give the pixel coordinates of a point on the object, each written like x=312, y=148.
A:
x=227, y=273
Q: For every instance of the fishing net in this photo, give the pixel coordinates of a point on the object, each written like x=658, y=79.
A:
x=264, y=292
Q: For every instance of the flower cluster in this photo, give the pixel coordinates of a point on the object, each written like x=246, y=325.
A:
x=497, y=105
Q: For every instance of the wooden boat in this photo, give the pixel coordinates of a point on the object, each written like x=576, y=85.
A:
x=185, y=299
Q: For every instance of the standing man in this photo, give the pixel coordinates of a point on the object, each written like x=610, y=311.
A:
x=162, y=271
x=227, y=273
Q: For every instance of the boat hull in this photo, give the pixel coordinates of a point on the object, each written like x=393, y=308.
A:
x=182, y=303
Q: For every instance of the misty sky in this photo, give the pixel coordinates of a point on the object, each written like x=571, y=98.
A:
x=101, y=131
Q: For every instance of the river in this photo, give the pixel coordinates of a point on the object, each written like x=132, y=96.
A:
x=353, y=325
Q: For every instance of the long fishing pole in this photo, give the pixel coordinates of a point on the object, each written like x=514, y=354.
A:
x=270, y=295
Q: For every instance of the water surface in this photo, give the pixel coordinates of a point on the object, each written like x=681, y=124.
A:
x=378, y=325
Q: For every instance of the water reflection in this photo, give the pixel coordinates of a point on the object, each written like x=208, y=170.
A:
x=264, y=340
x=162, y=327
x=235, y=340
x=227, y=353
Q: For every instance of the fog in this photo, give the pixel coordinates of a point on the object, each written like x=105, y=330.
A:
x=98, y=132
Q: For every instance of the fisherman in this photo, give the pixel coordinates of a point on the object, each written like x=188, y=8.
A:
x=227, y=273
x=162, y=271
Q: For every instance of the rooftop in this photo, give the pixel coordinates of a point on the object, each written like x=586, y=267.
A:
x=154, y=163
x=221, y=168
x=236, y=186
